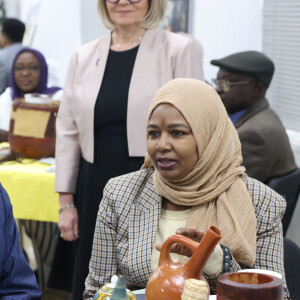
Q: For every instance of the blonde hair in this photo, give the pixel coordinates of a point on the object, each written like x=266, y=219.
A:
x=155, y=14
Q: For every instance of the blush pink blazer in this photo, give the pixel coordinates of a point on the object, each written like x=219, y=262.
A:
x=162, y=56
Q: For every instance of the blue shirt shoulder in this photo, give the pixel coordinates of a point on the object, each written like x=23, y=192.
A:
x=234, y=117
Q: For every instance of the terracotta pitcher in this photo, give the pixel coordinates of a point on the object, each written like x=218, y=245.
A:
x=167, y=281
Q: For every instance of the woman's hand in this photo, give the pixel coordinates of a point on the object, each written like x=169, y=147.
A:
x=68, y=219
x=191, y=233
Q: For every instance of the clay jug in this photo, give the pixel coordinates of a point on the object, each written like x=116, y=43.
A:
x=167, y=282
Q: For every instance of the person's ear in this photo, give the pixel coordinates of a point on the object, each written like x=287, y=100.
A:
x=257, y=89
x=3, y=40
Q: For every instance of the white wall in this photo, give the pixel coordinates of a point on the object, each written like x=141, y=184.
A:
x=54, y=29
x=12, y=8
x=91, y=25
x=224, y=27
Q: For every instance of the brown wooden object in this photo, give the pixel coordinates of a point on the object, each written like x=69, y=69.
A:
x=249, y=286
x=32, y=129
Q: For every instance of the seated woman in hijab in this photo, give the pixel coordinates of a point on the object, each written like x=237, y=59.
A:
x=192, y=178
x=29, y=75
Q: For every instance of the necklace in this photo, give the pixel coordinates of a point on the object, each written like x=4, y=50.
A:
x=133, y=44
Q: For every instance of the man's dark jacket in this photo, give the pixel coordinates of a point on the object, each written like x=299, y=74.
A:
x=265, y=146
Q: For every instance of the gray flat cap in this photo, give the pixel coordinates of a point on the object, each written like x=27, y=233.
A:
x=251, y=63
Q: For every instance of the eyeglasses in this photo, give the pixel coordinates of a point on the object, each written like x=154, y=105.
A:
x=30, y=68
x=226, y=84
x=116, y=1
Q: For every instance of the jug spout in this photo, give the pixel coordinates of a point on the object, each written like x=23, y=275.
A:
x=201, y=253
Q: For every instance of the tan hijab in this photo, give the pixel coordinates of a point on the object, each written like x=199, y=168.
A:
x=214, y=187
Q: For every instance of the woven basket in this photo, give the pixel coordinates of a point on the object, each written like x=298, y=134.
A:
x=32, y=129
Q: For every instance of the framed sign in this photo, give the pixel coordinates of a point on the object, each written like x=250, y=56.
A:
x=176, y=17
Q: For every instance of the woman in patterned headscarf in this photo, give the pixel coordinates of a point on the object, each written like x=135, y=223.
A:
x=192, y=178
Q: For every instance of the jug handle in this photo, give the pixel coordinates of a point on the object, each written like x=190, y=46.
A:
x=176, y=238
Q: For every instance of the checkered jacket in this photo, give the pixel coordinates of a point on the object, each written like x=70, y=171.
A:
x=128, y=218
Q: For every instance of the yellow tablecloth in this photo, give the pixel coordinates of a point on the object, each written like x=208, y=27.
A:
x=31, y=190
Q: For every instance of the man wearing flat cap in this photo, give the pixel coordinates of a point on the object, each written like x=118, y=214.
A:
x=242, y=82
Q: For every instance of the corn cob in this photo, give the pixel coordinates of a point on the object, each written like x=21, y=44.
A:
x=194, y=289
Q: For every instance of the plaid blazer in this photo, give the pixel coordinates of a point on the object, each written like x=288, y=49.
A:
x=128, y=218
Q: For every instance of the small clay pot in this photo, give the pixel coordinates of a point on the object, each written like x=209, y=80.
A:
x=249, y=286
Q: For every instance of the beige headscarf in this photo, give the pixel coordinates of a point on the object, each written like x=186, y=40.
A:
x=214, y=187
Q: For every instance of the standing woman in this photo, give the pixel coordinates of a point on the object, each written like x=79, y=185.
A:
x=102, y=118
